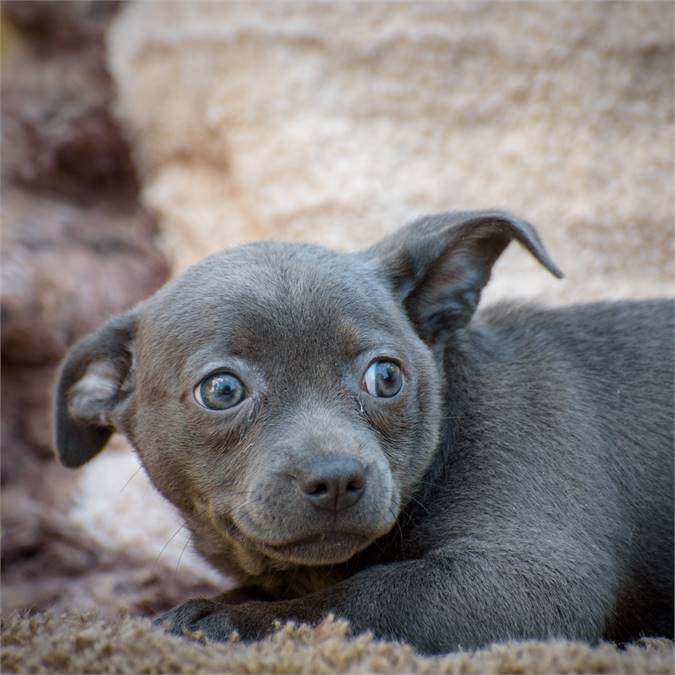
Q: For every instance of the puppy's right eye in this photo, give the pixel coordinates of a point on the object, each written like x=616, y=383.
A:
x=383, y=379
x=220, y=391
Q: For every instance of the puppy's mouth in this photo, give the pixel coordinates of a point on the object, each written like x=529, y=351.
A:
x=330, y=542
x=326, y=548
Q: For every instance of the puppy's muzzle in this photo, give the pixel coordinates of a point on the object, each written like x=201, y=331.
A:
x=332, y=483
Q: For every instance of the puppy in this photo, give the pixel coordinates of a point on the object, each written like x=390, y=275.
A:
x=343, y=434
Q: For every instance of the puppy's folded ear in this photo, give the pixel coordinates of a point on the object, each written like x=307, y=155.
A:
x=92, y=389
x=438, y=265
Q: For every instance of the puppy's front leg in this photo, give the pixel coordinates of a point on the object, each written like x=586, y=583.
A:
x=180, y=618
x=436, y=604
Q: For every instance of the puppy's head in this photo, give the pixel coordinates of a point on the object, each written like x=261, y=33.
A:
x=283, y=396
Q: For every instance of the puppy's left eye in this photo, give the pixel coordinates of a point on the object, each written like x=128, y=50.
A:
x=383, y=379
x=220, y=391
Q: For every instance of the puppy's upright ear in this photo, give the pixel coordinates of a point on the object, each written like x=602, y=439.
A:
x=438, y=265
x=92, y=388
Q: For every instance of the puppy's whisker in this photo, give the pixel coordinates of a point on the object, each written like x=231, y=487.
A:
x=133, y=475
x=171, y=538
x=417, y=501
x=180, y=557
x=400, y=530
x=408, y=516
x=240, y=510
x=426, y=482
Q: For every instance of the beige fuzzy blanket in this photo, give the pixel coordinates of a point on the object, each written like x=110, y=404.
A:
x=86, y=644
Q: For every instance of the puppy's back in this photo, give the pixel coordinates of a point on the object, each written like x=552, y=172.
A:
x=617, y=358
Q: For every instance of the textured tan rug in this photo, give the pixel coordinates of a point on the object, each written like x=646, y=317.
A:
x=73, y=643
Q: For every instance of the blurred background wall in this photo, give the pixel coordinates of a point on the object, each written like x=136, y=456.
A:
x=77, y=247
x=337, y=122
x=138, y=137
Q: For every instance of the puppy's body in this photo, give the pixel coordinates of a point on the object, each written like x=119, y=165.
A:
x=566, y=495
x=518, y=485
x=574, y=477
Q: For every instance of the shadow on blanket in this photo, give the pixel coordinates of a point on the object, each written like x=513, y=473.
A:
x=85, y=643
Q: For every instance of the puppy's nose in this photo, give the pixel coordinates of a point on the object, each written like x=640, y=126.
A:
x=333, y=483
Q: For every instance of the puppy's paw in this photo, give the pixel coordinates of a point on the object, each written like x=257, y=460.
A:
x=206, y=617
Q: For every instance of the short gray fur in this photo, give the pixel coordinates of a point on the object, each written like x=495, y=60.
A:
x=519, y=486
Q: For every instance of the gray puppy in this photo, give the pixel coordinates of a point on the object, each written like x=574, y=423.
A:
x=342, y=434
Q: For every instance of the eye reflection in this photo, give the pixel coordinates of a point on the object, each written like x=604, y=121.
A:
x=220, y=391
x=383, y=379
